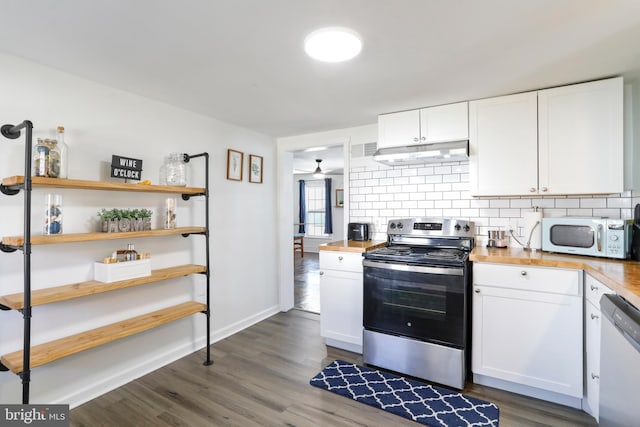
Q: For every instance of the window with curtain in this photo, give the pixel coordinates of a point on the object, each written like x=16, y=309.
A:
x=315, y=204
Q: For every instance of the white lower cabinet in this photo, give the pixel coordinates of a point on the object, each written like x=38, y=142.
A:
x=341, y=299
x=594, y=290
x=527, y=330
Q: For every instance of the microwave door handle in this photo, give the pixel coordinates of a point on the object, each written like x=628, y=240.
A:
x=599, y=237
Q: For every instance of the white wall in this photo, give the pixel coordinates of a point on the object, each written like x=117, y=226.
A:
x=101, y=121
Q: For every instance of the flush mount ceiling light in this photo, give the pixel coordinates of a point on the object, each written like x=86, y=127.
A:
x=333, y=44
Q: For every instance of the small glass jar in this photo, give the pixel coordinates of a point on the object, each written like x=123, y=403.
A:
x=47, y=159
x=175, y=170
x=53, y=214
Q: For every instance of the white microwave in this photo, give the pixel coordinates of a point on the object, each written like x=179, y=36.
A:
x=601, y=237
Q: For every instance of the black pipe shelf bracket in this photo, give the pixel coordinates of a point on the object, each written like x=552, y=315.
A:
x=4, y=307
x=7, y=248
x=3, y=368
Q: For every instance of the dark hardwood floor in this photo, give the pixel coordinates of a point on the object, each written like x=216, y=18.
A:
x=261, y=378
x=306, y=283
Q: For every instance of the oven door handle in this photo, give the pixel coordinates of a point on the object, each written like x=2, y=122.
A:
x=451, y=271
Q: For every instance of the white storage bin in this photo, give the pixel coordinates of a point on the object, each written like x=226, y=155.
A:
x=121, y=270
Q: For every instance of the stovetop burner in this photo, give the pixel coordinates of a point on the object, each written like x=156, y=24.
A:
x=418, y=254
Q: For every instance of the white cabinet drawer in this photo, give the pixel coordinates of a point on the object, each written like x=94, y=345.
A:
x=539, y=279
x=345, y=261
x=594, y=289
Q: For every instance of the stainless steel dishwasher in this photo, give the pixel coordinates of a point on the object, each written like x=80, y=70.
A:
x=619, y=363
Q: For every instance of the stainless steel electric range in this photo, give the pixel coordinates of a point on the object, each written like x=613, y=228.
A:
x=416, y=300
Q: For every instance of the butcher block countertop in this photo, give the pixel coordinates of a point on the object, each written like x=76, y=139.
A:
x=352, y=246
x=623, y=277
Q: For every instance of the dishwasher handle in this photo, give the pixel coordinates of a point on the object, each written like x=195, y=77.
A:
x=624, y=316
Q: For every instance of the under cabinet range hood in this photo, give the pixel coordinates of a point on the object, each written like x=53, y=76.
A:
x=423, y=153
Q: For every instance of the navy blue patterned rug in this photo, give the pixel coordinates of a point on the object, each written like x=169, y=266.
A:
x=423, y=403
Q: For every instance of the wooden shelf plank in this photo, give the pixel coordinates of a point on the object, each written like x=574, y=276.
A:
x=54, y=350
x=39, y=181
x=17, y=241
x=77, y=290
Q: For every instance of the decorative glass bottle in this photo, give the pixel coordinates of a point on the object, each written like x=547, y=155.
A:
x=53, y=214
x=175, y=170
x=64, y=154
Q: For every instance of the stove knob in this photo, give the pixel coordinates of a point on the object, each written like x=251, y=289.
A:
x=392, y=226
x=467, y=228
x=400, y=226
x=457, y=227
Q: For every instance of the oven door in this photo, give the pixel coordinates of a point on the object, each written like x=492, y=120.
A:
x=423, y=302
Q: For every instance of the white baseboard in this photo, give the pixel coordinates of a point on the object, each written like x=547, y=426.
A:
x=86, y=394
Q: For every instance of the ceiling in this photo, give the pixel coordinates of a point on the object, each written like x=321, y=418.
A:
x=242, y=61
x=304, y=162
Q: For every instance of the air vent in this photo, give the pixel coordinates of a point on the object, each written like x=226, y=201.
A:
x=363, y=150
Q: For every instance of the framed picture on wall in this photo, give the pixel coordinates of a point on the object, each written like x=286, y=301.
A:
x=339, y=198
x=234, y=164
x=255, y=169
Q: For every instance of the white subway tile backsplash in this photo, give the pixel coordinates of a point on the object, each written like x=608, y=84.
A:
x=426, y=171
x=460, y=203
x=607, y=213
x=510, y=213
x=426, y=204
x=499, y=203
x=575, y=212
x=567, y=203
x=479, y=203
x=593, y=203
x=378, y=194
x=620, y=202
x=445, y=204
x=442, y=187
x=451, y=178
x=520, y=203
x=434, y=213
x=426, y=188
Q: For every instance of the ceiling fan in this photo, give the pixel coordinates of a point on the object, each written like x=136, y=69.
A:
x=319, y=173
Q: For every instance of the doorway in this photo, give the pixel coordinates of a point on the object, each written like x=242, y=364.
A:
x=311, y=167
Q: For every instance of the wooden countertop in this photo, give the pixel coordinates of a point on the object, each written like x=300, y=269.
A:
x=623, y=277
x=352, y=246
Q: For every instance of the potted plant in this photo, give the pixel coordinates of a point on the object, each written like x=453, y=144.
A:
x=121, y=220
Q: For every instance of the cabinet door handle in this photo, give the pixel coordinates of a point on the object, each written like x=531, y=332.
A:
x=321, y=273
x=594, y=316
x=476, y=290
x=416, y=139
x=424, y=138
x=532, y=190
x=545, y=189
x=594, y=376
x=523, y=273
x=340, y=258
x=594, y=288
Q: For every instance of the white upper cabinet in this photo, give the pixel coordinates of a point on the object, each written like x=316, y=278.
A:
x=565, y=140
x=581, y=138
x=445, y=123
x=424, y=126
x=503, y=145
